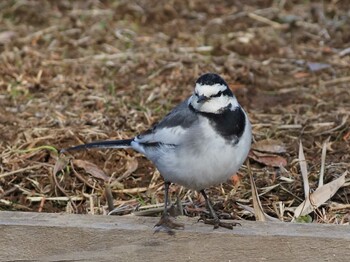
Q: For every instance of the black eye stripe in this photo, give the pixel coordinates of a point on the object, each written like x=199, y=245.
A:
x=217, y=95
x=226, y=92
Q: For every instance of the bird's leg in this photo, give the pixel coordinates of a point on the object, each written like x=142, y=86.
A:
x=166, y=222
x=215, y=219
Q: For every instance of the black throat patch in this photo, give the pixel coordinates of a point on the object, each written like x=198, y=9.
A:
x=230, y=124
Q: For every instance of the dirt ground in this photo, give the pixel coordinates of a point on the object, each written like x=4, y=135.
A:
x=77, y=71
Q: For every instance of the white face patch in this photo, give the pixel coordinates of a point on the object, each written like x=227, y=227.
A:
x=213, y=105
x=217, y=100
x=209, y=90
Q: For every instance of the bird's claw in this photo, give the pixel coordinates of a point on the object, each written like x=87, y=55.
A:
x=217, y=223
x=167, y=224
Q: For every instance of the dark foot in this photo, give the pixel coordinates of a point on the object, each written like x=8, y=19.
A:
x=217, y=223
x=167, y=224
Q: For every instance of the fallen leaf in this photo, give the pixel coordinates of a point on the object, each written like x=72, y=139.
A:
x=299, y=75
x=269, y=146
x=236, y=86
x=81, y=178
x=268, y=159
x=92, y=169
x=320, y=196
x=131, y=166
x=346, y=137
x=323, y=161
x=251, y=210
x=7, y=36
x=304, y=219
x=236, y=180
x=344, y=52
x=303, y=170
x=327, y=50
x=258, y=210
x=60, y=164
x=314, y=67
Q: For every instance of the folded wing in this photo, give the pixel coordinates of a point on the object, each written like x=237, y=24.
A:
x=170, y=130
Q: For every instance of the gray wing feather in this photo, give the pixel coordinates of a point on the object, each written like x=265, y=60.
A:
x=171, y=128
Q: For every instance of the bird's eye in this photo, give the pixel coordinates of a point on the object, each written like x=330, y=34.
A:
x=217, y=95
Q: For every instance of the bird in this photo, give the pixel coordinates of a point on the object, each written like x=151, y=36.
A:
x=201, y=143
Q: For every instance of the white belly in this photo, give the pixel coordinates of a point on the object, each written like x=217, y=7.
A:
x=204, y=160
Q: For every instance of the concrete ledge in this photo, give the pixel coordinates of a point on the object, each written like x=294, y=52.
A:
x=63, y=237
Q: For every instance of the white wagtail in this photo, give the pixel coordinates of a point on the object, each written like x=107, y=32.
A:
x=201, y=143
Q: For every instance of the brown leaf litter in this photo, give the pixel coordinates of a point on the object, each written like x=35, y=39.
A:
x=81, y=71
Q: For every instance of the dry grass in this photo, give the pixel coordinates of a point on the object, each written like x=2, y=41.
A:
x=79, y=71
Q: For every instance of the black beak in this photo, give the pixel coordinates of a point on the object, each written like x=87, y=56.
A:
x=202, y=99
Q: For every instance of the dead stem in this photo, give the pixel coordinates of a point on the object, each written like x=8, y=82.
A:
x=80, y=71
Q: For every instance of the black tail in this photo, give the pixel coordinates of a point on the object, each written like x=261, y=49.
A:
x=126, y=143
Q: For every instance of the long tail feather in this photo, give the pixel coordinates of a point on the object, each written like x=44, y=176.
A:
x=126, y=143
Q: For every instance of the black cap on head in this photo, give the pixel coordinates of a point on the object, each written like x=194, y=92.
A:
x=210, y=79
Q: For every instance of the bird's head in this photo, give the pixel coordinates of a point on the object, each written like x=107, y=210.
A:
x=212, y=95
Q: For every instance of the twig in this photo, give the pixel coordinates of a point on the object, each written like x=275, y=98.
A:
x=92, y=12
x=81, y=178
x=41, y=206
x=336, y=81
x=267, y=21
x=339, y=207
x=342, y=124
x=344, y=52
x=12, y=204
x=7, y=192
x=166, y=67
x=293, y=126
x=200, y=49
x=121, y=210
x=323, y=161
x=132, y=190
x=109, y=197
x=251, y=210
x=100, y=57
x=66, y=198
x=20, y=170
x=39, y=33
x=61, y=189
